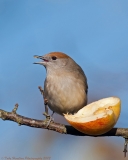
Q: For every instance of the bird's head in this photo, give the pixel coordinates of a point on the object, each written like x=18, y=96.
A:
x=54, y=60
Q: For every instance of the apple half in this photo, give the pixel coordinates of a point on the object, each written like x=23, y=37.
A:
x=96, y=118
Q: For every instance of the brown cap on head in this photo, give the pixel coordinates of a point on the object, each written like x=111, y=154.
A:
x=58, y=54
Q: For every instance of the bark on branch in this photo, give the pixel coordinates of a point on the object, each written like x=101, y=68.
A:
x=61, y=128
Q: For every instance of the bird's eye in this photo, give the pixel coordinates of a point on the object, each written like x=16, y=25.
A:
x=54, y=58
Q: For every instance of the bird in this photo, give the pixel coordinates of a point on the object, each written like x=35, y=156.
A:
x=65, y=86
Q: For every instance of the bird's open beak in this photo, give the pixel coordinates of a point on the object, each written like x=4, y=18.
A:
x=42, y=58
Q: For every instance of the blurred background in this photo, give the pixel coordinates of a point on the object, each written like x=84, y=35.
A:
x=95, y=35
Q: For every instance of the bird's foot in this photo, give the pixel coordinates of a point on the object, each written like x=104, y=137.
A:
x=49, y=119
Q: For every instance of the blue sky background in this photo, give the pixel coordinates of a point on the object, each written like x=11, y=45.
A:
x=95, y=35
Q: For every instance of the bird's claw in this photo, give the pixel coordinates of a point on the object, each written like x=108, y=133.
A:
x=49, y=119
x=46, y=115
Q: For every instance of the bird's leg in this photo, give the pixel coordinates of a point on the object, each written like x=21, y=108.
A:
x=46, y=108
x=45, y=103
x=48, y=117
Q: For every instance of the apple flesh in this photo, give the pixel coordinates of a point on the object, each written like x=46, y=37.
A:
x=96, y=118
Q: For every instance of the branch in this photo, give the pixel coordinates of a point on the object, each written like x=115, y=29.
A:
x=61, y=128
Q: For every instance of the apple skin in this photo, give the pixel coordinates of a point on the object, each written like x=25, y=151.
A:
x=98, y=126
